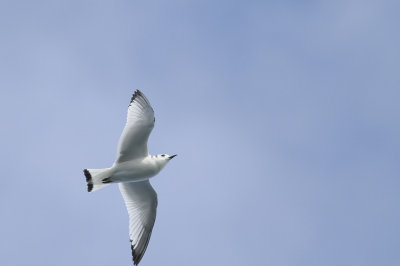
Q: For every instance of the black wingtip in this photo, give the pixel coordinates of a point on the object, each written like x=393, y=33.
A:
x=143, y=100
x=134, y=257
x=135, y=95
x=137, y=255
x=88, y=180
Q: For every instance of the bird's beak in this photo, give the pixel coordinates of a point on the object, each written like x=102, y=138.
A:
x=172, y=156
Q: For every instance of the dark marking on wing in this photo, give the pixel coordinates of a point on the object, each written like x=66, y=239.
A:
x=106, y=180
x=136, y=94
x=88, y=180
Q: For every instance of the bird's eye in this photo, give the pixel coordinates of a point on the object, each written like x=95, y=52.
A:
x=163, y=155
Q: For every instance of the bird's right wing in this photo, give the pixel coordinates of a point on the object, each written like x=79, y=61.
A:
x=139, y=124
x=141, y=202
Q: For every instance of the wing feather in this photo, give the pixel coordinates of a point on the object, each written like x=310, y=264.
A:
x=139, y=124
x=141, y=203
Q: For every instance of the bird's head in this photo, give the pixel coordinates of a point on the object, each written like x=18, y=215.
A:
x=163, y=159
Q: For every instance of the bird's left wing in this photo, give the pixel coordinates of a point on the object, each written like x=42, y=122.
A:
x=139, y=124
x=141, y=202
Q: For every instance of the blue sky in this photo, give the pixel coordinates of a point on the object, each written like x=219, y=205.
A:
x=284, y=116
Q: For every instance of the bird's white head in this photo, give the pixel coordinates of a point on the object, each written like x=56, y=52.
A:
x=162, y=159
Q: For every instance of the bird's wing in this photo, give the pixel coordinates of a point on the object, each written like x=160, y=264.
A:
x=141, y=202
x=140, y=121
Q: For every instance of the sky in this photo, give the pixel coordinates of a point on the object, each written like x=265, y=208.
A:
x=285, y=117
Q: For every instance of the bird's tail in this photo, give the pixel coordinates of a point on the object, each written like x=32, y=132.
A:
x=97, y=178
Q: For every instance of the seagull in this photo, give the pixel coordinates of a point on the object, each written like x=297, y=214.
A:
x=132, y=170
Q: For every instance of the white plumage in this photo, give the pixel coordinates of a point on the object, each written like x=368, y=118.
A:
x=132, y=170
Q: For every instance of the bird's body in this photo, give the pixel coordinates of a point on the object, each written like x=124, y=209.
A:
x=132, y=170
x=139, y=169
x=136, y=170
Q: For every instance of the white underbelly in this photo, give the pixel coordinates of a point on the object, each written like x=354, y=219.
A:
x=133, y=172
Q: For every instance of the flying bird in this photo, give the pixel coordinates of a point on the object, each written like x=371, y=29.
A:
x=132, y=170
